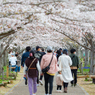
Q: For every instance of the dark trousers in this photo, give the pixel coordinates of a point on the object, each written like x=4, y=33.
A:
x=48, y=80
x=41, y=76
x=59, y=87
x=37, y=77
x=65, y=85
x=74, y=73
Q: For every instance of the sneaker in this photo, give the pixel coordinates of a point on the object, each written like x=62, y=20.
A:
x=57, y=90
x=34, y=94
x=71, y=85
x=60, y=91
x=41, y=82
x=74, y=85
x=37, y=85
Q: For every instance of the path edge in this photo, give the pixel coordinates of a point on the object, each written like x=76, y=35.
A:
x=86, y=93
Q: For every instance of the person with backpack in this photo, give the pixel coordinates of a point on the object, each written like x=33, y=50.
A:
x=31, y=64
x=74, y=66
x=38, y=55
x=49, y=60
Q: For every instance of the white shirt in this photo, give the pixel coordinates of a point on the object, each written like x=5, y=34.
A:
x=13, y=60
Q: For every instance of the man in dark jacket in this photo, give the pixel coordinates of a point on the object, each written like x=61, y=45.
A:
x=74, y=67
x=38, y=55
x=24, y=57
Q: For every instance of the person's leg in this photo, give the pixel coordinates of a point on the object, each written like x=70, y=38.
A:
x=65, y=87
x=37, y=78
x=46, y=77
x=41, y=76
x=30, y=83
x=75, y=77
x=35, y=85
x=60, y=87
x=72, y=82
x=50, y=84
x=57, y=87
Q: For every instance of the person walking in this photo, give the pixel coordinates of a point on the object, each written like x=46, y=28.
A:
x=59, y=81
x=49, y=76
x=65, y=62
x=31, y=63
x=24, y=57
x=74, y=66
x=41, y=75
x=38, y=55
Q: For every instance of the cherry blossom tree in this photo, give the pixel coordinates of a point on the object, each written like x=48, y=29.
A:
x=48, y=22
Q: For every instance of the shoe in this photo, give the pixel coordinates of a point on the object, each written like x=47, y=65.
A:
x=60, y=91
x=65, y=91
x=74, y=85
x=41, y=82
x=37, y=85
x=71, y=85
x=57, y=90
x=34, y=94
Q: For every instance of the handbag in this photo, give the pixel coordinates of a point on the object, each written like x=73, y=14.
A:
x=46, y=69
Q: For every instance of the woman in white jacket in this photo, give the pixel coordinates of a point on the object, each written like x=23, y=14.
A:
x=65, y=62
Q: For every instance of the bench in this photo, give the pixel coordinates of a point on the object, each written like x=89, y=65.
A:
x=93, y=78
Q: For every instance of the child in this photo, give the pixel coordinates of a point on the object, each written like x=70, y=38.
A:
x=59, y=81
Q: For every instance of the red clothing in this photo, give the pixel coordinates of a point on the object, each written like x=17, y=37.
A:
x=32, y=72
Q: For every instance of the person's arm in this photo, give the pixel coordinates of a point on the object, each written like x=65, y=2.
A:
x=38, y=66
x=22, y=60
x=77, y=62
x=61, y=77
x=70, y=61
x=42, y=63
x=59, y=63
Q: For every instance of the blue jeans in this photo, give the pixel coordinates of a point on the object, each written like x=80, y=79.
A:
x=13, y=66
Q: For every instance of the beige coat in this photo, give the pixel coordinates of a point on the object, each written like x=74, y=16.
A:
x=59, y=79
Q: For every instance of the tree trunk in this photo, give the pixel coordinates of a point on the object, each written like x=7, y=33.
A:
x=92, y=60
x=86, y=57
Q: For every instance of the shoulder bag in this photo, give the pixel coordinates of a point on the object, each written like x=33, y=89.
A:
x=46, y=69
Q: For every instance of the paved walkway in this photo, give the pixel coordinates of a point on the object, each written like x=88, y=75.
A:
x=22, y=89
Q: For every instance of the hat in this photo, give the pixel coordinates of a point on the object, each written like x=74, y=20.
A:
x=13, y=54
x=49, y=48
x=30, y=54
x=65, y=50
x=72, y=50
x=37, y=47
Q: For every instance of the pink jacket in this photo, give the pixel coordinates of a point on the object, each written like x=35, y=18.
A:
x=46, y=60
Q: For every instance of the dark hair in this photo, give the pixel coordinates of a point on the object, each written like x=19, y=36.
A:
x=72, y=50
x=31, y=57
x=58, y=52
x=28, y=48
x=42, y=49
x=49, y=51
x=60, y=49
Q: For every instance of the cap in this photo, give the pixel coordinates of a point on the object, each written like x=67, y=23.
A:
x=65, y=50
x=13, y=54
x=37, y=47
x=49, y=48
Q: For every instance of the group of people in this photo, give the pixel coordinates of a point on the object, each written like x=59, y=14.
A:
x=60, y=64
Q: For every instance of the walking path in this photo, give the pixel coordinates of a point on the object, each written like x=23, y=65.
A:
x=22, y=89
